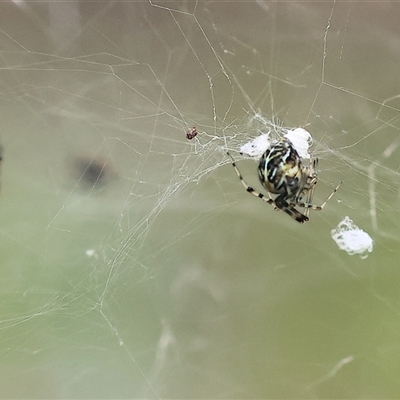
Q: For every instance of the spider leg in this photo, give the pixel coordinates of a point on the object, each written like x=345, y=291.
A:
x=311, y=183
x=310, y=194
x=309, y=206
x=278, y=203
x=289, y=209
x=268, y=199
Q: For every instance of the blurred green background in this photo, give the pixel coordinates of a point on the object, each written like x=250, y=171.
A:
x=133, y=263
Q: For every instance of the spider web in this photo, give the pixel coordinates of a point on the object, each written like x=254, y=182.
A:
x=134, y=264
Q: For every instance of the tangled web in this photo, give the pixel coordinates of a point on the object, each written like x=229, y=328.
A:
x=134, y=264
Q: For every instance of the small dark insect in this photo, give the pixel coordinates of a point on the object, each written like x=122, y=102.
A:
x=191, y=133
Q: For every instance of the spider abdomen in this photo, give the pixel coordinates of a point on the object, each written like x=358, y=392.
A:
x=280, y=169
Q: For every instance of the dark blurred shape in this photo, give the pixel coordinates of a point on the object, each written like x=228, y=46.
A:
x=92, y=172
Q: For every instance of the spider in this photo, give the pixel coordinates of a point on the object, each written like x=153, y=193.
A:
x=282, y=172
